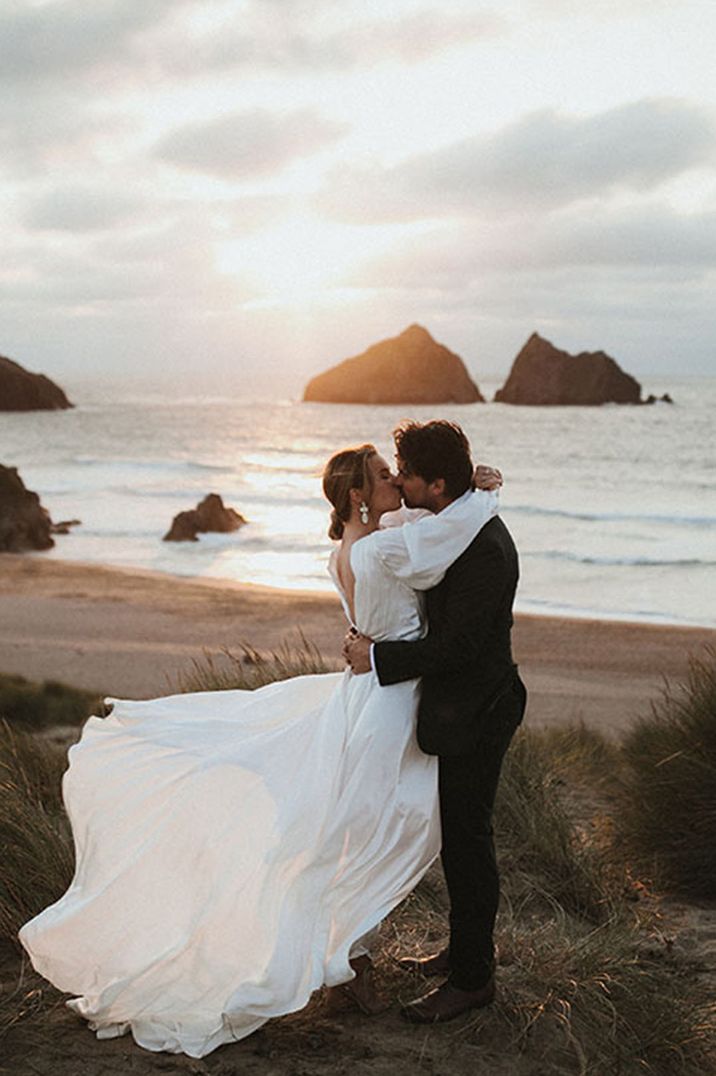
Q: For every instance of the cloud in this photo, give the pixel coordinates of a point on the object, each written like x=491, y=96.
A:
x=248, y=144
x=543, y=160
x=163, y=270
x=42, y=131
x=651, y=236
x=82, y=208
x=294, y=39
x=599, y=10
x=448, y=258
x=71, y=37
x=151, y=38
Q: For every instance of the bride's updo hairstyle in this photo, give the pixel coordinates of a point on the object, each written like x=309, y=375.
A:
x=346, y=470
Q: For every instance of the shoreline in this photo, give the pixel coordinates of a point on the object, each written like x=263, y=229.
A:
x=130, y=632
x=226, y=582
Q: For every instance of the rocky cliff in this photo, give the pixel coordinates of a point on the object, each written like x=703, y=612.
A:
x=542, y=374
x=411, y=368
x=21, y=390
x=24, y=523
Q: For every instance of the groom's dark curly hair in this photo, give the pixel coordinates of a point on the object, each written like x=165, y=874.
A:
x=437, y=449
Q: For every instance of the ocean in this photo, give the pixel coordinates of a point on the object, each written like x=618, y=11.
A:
x=613, y=508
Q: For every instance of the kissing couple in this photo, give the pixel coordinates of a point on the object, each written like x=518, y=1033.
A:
x=237, y=850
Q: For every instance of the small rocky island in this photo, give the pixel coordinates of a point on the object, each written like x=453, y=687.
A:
x=24, y=523
x=211, y=514
x=21, y=390
x=543, y=375
x=411, y=368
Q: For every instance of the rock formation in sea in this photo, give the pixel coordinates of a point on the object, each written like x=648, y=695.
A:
x=24, y=523
x=21, y=390
x=411, y=368
x=209, y=515
x=543, y=375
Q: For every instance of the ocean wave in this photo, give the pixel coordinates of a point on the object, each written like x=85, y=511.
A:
x=631, y=562
x=284, y=545
x=151, y=465
x=547, y=607
x=180, y=493
x=243, y=500
x=89, y=531
x=609, y=517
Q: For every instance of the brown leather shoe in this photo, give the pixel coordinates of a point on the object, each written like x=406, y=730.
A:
x=447, y=1002
x=439, y=964
x=359, y=993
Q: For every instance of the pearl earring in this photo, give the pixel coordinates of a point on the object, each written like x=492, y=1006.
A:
x=363, y=509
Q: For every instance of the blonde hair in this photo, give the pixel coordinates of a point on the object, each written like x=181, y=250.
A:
x=346, y=470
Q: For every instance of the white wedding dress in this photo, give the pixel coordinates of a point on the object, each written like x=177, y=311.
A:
x=234, y=847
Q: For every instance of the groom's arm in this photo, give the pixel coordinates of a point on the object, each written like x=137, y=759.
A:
x=477, y=585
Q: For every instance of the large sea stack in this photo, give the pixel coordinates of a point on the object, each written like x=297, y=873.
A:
x=24, y=523
x=543, y=375
x=408, y=369
x=21, y=390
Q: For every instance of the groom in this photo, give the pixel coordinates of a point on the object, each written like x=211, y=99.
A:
x=472, y=701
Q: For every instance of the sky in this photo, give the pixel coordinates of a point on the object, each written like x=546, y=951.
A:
x=232, y=196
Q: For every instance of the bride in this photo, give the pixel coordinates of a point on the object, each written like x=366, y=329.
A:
x=235, y=849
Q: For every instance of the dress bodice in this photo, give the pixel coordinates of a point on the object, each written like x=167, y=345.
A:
x=385, y=607
x=394, y=565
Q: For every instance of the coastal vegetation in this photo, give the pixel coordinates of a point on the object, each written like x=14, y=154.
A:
x=28, y=705
x=591, y=982
x=669, y=817
x=247, y=668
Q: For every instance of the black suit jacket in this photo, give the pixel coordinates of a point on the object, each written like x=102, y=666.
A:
x=465, y=660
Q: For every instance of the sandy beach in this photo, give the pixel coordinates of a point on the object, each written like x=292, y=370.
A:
x=131, y=633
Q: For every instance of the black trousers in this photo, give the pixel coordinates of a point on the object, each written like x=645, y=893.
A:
x=468, y=785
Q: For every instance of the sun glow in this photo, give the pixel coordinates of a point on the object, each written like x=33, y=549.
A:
x=299, y=260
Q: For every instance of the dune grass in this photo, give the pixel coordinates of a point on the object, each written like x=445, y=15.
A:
x=544, y=855
x=37, y=850
x=32, y=706
x=583, y=988
x=669, y=804
x=591, y=999
x=249, y=668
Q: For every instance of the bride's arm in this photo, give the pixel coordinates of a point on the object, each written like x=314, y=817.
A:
x=421, y=553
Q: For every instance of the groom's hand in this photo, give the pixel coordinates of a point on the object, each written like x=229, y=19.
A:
x=356, y=651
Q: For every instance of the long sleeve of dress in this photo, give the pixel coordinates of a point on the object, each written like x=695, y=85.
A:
x=420, y=553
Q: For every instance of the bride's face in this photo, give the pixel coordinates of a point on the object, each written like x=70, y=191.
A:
x=385, y=496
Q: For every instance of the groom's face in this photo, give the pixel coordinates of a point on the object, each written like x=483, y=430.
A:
x=415, y=491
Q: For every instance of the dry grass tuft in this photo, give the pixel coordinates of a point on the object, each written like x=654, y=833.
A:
x=543, y=855
x=38, y=857
x=249, y=668
x=669, y=804
x=589, y=1000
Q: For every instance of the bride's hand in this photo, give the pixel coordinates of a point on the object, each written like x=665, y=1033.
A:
x=489, y=478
